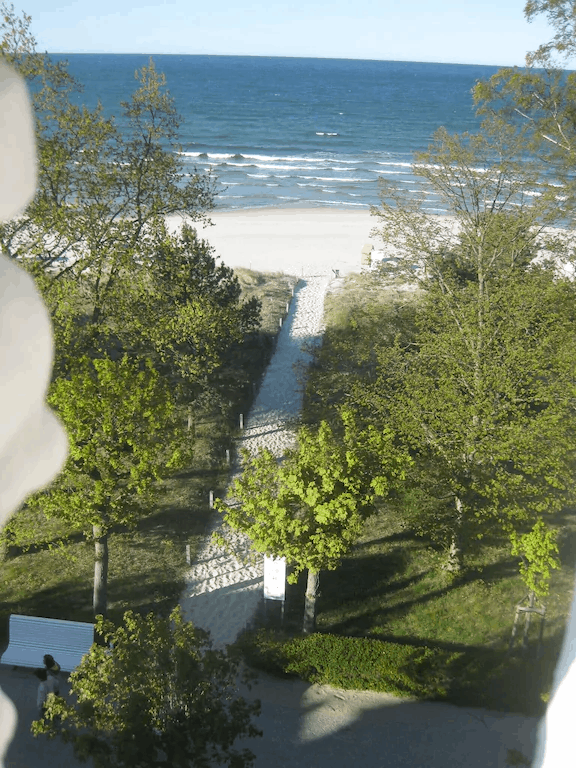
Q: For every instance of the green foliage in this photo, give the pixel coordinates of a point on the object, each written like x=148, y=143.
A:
x=560, y=16
x=354, y=663
x=536, y=549
x=483, y=392
x=119, y=418
x=123, y=439
x=186, y=309
x=157, y=695
x=538, y=102
x=102, y=196
x=310, y=508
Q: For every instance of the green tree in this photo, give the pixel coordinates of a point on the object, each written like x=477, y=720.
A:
x=560, y=16
x=310, y=508
x=484, y=392
x=156, y=696
x=124, y=438
x=538, y=101
x=489, y=369
x=187, y=310
x=101, y=191
x=486, y=400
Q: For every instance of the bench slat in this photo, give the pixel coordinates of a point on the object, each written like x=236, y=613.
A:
x=30, y=637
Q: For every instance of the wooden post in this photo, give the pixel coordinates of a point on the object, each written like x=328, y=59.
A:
x=211, y=499
x=241, y=421
x=528, y=611
x=514, y=629
x=527, y=621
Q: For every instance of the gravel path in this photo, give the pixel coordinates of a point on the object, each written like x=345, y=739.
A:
x=222, y=594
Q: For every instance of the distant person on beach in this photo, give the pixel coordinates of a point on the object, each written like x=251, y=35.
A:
x=46, y=686
x=53, y=670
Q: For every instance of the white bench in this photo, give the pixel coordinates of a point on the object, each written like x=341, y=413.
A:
x=31, y=637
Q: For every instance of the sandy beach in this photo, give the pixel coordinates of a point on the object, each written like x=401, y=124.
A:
x=295, y=241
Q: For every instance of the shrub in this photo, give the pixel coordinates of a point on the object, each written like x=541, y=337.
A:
x=351, y=662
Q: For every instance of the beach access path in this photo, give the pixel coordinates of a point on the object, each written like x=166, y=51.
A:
x=304, y=725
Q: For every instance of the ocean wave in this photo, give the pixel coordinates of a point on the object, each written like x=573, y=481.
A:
x=269, y=167
x=389, y=173
x=402, y=165
x=274, y=158
x=344, y=203
x=332, y=178
x=242, y=156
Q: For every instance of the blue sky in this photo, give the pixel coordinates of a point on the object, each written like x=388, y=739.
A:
x=480, y=32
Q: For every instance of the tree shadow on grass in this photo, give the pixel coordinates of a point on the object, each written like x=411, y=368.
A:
x=177, y=521
x=16, y=550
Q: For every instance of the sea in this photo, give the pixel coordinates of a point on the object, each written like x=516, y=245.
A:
x=296, y=132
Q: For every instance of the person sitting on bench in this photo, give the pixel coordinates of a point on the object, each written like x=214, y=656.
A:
x=53, y=670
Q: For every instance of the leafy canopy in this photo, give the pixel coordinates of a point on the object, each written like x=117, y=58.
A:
x=154, y=695
x=310, y=508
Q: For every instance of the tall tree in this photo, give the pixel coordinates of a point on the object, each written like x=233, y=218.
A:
x=538, y=101
x=156, y=696
x=187, y=310
x=310, y=508
x=484, y=398
x=483, y=393
x=100, y=190
x=124, y=438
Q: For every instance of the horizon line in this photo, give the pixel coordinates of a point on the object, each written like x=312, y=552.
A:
x=277, y=56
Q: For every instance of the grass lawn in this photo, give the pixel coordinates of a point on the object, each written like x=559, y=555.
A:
x=147, y=565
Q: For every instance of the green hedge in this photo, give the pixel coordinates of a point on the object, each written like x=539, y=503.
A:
x=352, y=662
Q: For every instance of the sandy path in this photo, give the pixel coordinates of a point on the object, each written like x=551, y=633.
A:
x=221, y=593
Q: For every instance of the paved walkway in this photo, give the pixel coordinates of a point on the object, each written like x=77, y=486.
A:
x=25, y=750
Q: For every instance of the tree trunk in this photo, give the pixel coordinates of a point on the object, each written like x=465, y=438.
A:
x=309, y=625
x=100, y=599
x=455, y=555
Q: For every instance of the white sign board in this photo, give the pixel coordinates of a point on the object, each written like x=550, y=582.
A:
x=274, y=578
